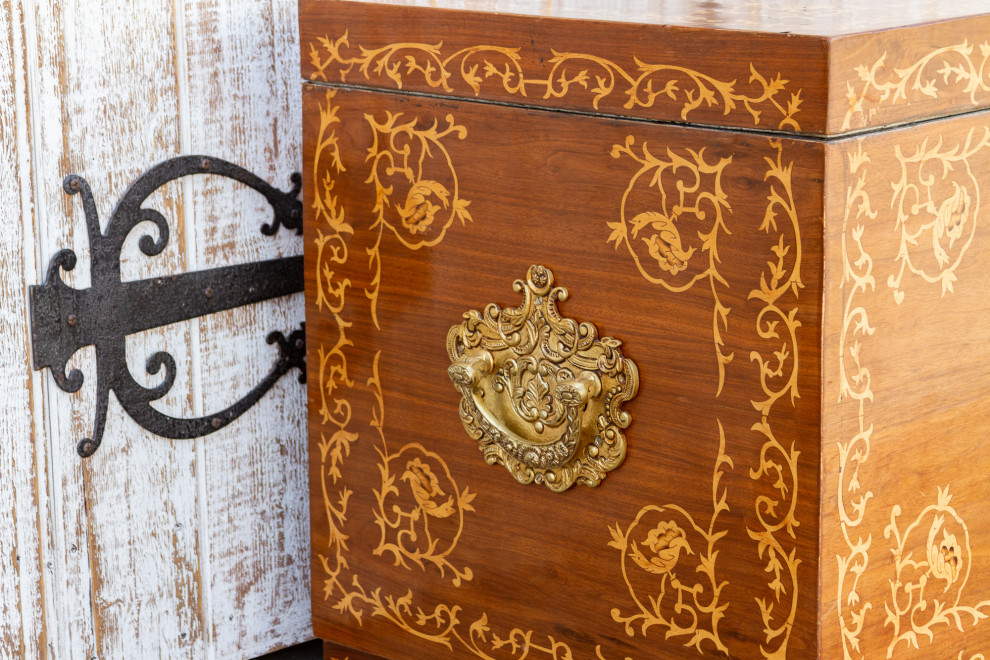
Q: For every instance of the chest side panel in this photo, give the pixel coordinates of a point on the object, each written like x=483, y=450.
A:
x=699, y=250
x=909, y=74
x=905, y=532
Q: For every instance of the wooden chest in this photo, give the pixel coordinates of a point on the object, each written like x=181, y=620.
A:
x=754, y=425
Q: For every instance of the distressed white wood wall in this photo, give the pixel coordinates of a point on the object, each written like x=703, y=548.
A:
x=152, y=547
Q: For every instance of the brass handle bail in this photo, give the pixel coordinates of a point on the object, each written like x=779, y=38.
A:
x=541, y=393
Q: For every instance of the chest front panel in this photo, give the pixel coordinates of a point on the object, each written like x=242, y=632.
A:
x=697, y=249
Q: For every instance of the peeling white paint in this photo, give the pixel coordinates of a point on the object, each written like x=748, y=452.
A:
x=151, y=548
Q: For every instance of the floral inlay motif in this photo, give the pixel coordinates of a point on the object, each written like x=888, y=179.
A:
x=664, y=543
x=414, y=163
x=690, y=190
x=420, y=209
x=658, y=543
x=425, y=528
x=926, y=590
x=436, y=623
x=672, y=207
x=937, y=194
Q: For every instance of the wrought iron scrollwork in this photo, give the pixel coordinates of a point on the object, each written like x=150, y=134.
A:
x=65, y=319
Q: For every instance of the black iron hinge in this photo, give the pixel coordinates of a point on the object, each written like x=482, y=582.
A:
x=64, y=319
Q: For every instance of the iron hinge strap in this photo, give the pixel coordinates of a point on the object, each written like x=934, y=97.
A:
x=64, y=319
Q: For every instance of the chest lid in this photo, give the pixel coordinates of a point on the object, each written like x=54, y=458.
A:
x=767, y=65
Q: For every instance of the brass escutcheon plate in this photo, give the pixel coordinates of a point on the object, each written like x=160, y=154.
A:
x=540, y=393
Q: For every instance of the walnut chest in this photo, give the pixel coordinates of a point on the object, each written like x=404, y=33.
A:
x=648, y=331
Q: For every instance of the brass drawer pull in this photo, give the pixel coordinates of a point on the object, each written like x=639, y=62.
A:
x=541, y=393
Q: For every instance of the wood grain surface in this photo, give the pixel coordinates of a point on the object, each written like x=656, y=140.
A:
x=783, y=16
x=254, y=516
x=337, y=652
x=905, y=530
x=662, y=72
x=828, y=79
x=723, y=447
x=152, y=548
x=22, y=452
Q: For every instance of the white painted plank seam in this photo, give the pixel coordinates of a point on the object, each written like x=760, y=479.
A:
x=14, y=606
x=31, y=592
x=192, y=263
x=54, y=594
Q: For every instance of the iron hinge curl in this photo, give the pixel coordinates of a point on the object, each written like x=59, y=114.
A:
x=64, y=319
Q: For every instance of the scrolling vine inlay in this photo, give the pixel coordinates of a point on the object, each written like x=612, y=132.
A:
x=658, y=541
x=673, y=206
x=665, y=193
x=440, y=623
x=422, y=524
x=681, y=189
x=653, y=543
x=663, y=255
x=415, y=160
x=777, y=322
x=932, y=557
x=647, y=85
x=927, y=204
x=958, y=66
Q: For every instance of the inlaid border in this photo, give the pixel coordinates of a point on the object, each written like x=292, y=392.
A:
x=952, y=73
x=442, y=624
x=915, y=610
x=778, y=290
x=778, y=378
x=592, y=75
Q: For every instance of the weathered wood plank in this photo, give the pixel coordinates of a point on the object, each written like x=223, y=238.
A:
x=244, y=106
x=120, y=537
x=72, y=580
x=125, y=578
x=22, y=625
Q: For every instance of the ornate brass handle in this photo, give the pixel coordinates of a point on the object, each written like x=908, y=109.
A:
x=539, y=392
